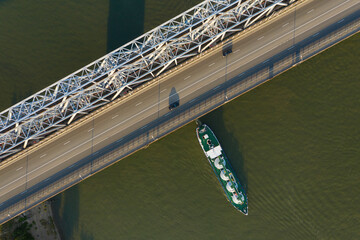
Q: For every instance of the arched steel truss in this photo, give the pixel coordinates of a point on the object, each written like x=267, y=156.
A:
x=125, y=68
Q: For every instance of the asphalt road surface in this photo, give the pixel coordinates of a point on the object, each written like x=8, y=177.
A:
x=204, y=74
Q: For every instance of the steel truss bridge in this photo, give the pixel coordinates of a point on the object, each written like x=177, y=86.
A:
x=127, y=67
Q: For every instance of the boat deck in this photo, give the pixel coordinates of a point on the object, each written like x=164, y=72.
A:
x=204, y=134
x=211, y=137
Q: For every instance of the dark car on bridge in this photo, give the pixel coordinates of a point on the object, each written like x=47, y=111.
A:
x=227, y=51
x=174, y=105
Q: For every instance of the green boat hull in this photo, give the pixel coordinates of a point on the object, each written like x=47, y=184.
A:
x=234, y=192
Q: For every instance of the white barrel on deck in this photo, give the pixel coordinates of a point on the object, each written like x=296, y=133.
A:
x=224, y=175
x=230, y=187
x=219, y=163
x=238, y=199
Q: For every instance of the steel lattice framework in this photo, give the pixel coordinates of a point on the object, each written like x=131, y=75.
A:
x=127, y=67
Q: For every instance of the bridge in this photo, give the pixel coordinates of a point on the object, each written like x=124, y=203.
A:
x=131, y=87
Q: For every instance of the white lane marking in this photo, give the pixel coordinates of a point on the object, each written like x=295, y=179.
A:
x=133, y=116
x=291, y=47
x=90, y=130
x=19, y=168
x=114, y=116
x=211, y=64
x=341, y=20
x=236, y=50
x=260, y=38
x=285, y=24
x=315, y=34
x=66, y=142
x=310, y=11
x=144, y=127
x=187, y=77
x=42, y=155
x=138, y=104
x=216, y=87
x=163, y=90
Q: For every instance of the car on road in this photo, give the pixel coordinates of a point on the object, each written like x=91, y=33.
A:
x=227, y=51
x=174, y=105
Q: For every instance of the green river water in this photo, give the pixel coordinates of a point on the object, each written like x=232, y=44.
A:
x=293, y=142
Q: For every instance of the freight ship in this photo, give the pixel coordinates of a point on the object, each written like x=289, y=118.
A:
x=222, y=168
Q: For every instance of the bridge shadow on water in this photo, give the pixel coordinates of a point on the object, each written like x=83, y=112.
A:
x=18, y=95
x=229, y=142
x=125, y=22
x=65, y=208
x=86, y=235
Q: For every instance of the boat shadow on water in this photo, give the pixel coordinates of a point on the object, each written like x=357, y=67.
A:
x=228, y=141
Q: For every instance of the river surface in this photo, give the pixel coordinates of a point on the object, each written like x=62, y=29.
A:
x=293, y=142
